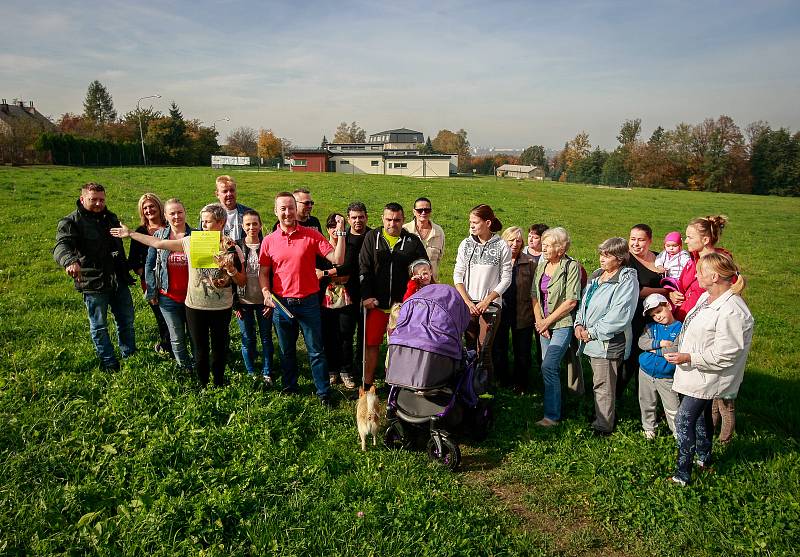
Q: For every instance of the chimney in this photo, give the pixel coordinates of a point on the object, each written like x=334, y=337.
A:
x=30, y=108
x=4, y=106
x=21, y=104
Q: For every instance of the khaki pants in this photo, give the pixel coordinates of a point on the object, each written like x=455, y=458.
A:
x=574, y=369
x=724, y=410
x=604, y=375
x=650, y=390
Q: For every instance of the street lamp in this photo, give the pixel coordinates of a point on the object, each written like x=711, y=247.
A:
x=226, y=119
x=139, y=114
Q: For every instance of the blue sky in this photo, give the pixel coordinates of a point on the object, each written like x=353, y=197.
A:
x=511, y=73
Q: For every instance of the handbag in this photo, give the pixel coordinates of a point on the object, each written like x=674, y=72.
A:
x=336, y=296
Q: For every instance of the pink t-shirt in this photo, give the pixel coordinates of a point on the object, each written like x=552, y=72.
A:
x=292, y=258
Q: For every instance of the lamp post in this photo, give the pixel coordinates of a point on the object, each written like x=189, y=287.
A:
x=139, y=114
x=214, y=123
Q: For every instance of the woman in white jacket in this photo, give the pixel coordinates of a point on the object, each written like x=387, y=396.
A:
x=481, y=274
x=711, y=356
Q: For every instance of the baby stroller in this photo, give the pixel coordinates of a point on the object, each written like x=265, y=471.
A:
x=434, y=382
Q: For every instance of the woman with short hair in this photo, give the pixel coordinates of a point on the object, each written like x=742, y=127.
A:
x=556, y=291
x=711, y=357
x=603, y=326
x=516, y=317
x=209, y=296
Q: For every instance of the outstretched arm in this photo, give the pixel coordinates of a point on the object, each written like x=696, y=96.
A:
x=169, y=245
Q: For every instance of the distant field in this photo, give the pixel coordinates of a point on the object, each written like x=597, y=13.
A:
x=141, y=462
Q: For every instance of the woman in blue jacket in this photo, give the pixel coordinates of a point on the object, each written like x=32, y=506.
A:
x=603, y=326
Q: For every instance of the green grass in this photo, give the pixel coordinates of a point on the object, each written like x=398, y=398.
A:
x=141, y=462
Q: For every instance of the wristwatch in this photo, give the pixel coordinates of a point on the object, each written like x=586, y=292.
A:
x=341, y=233
x=325, y=273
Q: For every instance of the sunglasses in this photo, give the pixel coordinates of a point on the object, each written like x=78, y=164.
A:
x=307, y=203
x=423, y=210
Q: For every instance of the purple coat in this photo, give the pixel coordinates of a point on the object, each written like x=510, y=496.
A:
x=434, y=319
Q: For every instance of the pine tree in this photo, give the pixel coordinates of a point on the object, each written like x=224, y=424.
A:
x=98, y=106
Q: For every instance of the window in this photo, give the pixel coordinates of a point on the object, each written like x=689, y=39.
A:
x=373, y=163
x=299, y=162
x=398, y=165
x=343, y=162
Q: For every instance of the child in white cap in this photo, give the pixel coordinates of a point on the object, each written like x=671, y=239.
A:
x=655, y=373
x=674, y=258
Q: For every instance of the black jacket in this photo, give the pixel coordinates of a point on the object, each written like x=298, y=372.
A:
x=85, y=237
x=384, y=273
x=350, y=267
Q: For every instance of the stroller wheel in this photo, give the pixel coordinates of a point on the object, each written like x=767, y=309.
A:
x=449, y=455
x=395, y=438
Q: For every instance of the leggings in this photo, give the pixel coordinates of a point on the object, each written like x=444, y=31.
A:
x=214, y=324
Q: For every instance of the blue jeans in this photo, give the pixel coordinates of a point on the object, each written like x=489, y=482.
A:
x=121, y=304
x=174, y=314
x=695, y=430
x=553, y=350
x=306, y=317
x=252, y=313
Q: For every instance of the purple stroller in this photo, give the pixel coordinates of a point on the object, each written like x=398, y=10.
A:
x=435, y=383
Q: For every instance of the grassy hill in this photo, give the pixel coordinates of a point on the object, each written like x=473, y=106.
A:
x=142, y=462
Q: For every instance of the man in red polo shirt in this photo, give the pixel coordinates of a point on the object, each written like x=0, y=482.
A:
x=288, y=274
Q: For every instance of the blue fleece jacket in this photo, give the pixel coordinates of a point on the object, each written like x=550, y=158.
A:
x=652, y=361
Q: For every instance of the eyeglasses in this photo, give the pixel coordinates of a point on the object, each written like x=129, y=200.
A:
x=307, y=203
x=423, y=210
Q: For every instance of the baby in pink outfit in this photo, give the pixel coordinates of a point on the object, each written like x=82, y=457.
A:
x=674, y=258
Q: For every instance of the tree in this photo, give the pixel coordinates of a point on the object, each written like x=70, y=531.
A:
x=167, y=138
x=775, y=162
x=98, y=107
x=614, y=171
x=242, y=142
x=723, y=157
x=589, y=169
x=427, y=147
x=269, y=146
x=349, y=134
x=629, y=132
x=451, y=143
x=324, y=142
x=534, y=156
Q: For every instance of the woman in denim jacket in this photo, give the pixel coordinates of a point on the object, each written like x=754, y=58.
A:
x=603, y=326
x=167, y=276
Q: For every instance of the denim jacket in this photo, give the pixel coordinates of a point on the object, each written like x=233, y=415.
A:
x=155, y=284
x=608, y=311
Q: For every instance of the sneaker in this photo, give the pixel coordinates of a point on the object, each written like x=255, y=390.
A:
x=332, y=380
x=327, y=402
x=291, y=391
x=546, y=422
x=649, y=434
x=675, y=480
x=347, y=381
x=703, y=466
x=267, y=382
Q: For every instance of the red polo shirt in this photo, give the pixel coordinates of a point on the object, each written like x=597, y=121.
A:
x=292, y=258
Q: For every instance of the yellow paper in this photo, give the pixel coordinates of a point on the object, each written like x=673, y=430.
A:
x=204, y=245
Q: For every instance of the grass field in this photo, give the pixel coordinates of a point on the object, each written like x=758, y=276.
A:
x=142, y=462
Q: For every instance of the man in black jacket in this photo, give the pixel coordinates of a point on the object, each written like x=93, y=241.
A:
x=383, y=262
x=96, y=262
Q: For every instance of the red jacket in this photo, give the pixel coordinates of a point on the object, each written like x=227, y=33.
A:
x=688, y=285
x=411, y=288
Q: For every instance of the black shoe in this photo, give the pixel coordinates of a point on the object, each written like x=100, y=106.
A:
x=327, y=402
x=110, y=367
x=599, y=433
x=291, y=391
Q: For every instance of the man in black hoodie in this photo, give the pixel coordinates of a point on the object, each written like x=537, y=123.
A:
x=383, y=263
x=96, y=262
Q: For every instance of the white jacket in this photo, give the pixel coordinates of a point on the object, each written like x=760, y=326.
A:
x=718, y=339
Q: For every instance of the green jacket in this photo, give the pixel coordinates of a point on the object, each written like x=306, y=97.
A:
x=565, y=284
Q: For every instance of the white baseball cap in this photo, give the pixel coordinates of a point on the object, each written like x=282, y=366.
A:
x=653, y=301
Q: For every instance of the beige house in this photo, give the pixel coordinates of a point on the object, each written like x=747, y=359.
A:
x=390, y=163
x=520, y=172
x=20, y=125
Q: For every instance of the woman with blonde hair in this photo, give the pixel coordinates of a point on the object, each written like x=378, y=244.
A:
x=711, y=356
x=556, y=291
x=151, y=219
x=516, y=317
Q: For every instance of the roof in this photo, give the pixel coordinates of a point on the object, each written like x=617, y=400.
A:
x=320, y=150
x=20, y=115
x=517, y=167
x=399, y=130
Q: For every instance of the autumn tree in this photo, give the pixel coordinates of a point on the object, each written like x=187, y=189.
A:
x=269, y=145
x=629, y=132
x=242, y=142
x=349, y=134
x=451, y=143
x=719, y=144
x=98, y=107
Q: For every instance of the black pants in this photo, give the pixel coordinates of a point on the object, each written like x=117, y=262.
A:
x=331, y=338
x=163, y=331
x=351, y=323
x=521, y=345
x=214, y=324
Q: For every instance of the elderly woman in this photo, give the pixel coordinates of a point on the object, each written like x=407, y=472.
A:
x=167, y=276
x=711, y=356
x=209, y=295
x=643, y=261
x=603, y=326
x=516, y=317
x=556, y=291
x=151, y=218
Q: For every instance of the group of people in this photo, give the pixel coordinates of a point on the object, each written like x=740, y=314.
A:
x=673, y=322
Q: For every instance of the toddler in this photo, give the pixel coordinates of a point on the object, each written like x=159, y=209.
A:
x=674, y=258
x=655, y=373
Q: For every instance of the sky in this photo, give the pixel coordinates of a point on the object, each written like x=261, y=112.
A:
x=511, y=74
